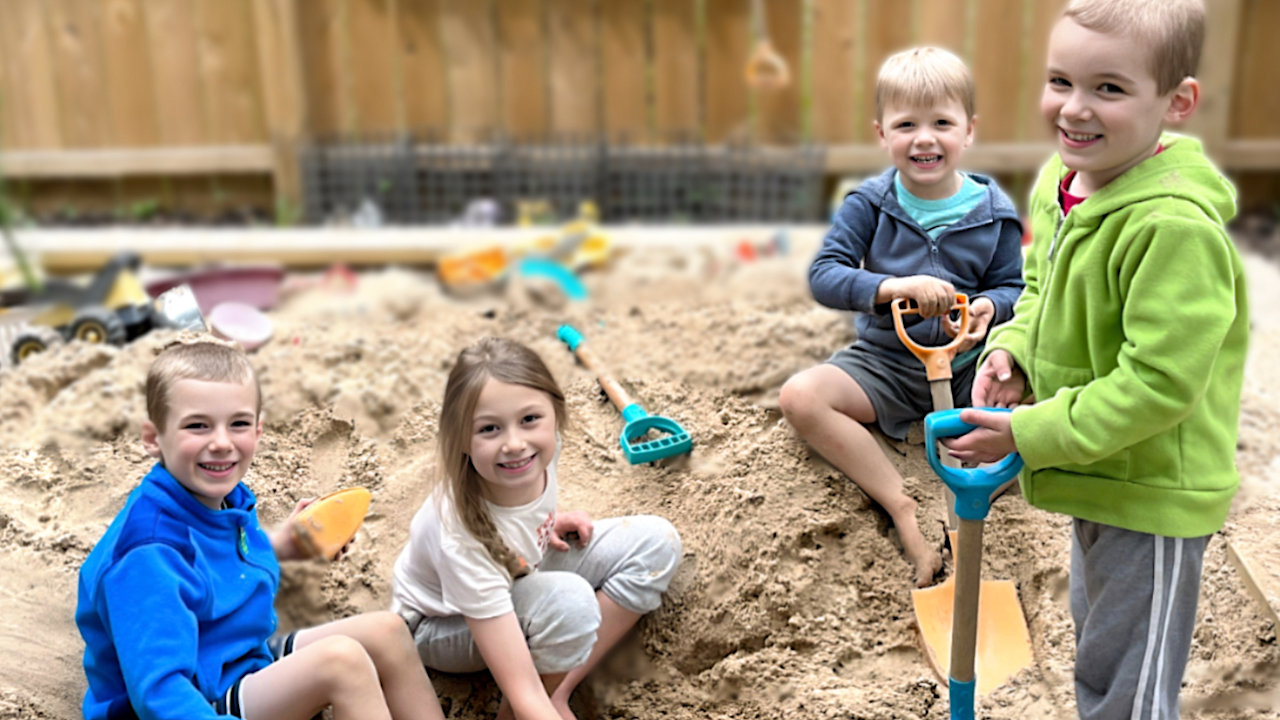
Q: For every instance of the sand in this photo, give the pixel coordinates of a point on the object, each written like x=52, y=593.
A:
x=793, y=598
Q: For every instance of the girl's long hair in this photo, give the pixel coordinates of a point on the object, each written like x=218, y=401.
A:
x=506, y=361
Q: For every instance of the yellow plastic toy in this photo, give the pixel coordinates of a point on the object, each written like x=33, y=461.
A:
x=325, y=526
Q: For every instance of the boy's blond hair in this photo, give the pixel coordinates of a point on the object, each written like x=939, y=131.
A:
x=1172, y=29
x=921, y=77
x=201, y=360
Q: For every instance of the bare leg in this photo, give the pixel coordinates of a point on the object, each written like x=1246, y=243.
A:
x=333, y=671
x=615, y=621
x=828, y=409
x=385, y=638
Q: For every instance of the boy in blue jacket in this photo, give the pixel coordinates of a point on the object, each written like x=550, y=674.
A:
x=923, y=230
x=176, y=600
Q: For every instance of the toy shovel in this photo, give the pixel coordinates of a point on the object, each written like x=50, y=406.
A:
x=937, y=365
x=674, y=439
x=987, y=626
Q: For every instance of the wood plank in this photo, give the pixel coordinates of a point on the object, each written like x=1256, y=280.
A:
x=1261, y=580
x=11, y=132
x=780, y=111
x=726, y=99
x=887, y=31
x=997, y=64
x=280, y=72
x=624, y=91
x=675, y=69
x=371, y=66
x=834, y=67
x=572, y=66
x=523, y=61
x=131, y=94
x=320, y=24
x=32, y=93
x=228, y=66
x=1256, y=113
x=175, y=71
x=1044, y=16
x=422, y=65
x=77, y=50
x=114, y=162
x=942, y=23
x=1212, y=120
x=471, y=64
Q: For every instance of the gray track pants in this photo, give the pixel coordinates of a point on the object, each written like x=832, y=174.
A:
x=631, y=559
x=1133, y=599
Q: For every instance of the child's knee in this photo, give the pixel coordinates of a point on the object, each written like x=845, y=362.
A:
x=340, y=659
x=799, y=396
x=389, y=635
x=563, y=615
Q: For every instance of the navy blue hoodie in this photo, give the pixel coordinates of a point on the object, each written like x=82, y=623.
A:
x=872, y=238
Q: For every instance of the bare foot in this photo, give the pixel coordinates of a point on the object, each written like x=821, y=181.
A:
x=926, y=561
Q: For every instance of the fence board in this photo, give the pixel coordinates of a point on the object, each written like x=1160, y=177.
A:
x=1045, y=15
x=942, y=23
x=780, y=111
x=998, y=29
x=426, y=96
x=32, y=93
x=229, y=66
x=523, y=65
x=276, y=29
x=887, y=31
x=320, y=23
x=11, y=135
x=1257, y=104
x=675, y=69
x=470, y=52
x=77, y=52
x=128, y=67
x=370, y=55
x=834, y=65
x=624, y=83
x=1212, y=120
x=726, y=98
x=175, y=74
x=575, y=85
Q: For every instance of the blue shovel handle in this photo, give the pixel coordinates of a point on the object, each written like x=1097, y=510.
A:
x=972, y=486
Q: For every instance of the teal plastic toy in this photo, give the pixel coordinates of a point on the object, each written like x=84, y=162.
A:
x=675, y=440
x=564, y=278
x=973, y=488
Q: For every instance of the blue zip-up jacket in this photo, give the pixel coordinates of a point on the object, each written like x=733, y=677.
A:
x=175, y=603
x=872, y=238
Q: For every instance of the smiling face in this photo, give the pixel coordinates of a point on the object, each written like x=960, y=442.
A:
x=513, y=440
x=1101, y=101
x=210, y=435
x=925, y=144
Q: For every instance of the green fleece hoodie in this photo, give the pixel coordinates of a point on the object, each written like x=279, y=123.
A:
x=1132, y=333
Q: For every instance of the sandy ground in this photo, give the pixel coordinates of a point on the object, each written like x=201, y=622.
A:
x=793, y=598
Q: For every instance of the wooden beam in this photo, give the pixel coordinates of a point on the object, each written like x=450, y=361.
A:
x=1217, y=75
x=284, y=89
x=113, y=163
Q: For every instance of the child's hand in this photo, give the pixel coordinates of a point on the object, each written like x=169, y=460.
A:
x=990, y=442
x=576, y=523
x=981, y=312
x=999, y=383
x=934, y=296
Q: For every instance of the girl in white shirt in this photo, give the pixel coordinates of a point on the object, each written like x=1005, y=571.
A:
x=493, y=577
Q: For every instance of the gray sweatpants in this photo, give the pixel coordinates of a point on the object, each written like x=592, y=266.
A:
x=630, y=559
x=1133, y=600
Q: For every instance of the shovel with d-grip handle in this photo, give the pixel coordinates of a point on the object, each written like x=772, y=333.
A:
x=937, y=366
x=973, y=488
x=1002, y=641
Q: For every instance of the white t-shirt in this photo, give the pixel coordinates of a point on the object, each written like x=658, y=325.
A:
x=444, y=570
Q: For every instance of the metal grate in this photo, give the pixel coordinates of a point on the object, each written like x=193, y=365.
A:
x=405, y=181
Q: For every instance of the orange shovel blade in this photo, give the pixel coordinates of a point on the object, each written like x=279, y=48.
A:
x=1004, y=644
x=324, y=526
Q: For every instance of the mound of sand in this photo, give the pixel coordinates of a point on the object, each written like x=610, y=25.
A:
x=793, y=599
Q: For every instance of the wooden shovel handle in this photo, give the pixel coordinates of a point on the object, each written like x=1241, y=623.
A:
x=964, y=621
x=612, y=388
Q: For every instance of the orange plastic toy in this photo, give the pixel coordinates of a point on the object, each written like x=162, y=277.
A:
x=328, y=524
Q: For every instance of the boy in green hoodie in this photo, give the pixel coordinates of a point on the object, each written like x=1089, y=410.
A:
x=1125, y=356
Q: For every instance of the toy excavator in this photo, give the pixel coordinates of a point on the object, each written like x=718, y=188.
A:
x=113, y=308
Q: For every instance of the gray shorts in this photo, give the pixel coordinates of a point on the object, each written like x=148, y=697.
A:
x=898, y=390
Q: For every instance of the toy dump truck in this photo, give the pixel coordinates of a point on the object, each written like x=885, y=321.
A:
x=113, y=308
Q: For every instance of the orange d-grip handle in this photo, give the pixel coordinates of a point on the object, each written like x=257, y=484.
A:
x=937, y=360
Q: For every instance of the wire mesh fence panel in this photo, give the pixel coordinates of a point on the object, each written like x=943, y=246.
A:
x=407, y=181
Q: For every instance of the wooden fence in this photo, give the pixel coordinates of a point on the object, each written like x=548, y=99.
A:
x=182, y=89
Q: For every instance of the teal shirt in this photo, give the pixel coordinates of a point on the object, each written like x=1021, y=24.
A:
x=935, y=216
